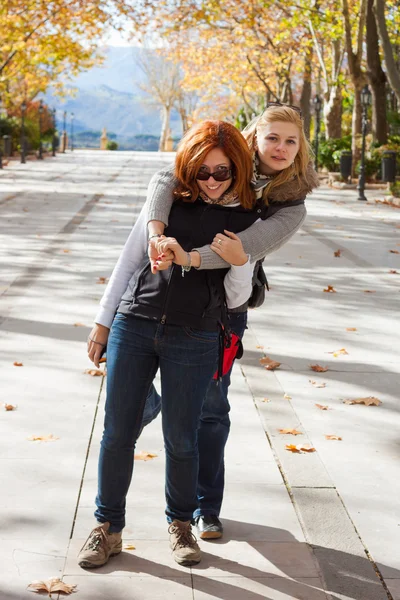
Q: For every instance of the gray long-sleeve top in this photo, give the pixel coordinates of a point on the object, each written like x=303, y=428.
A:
x=262, y=238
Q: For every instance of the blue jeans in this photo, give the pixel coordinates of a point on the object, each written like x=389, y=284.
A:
x=212, y=435
x=187, y=359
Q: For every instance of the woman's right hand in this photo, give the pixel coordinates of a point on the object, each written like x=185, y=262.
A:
x=96, y=343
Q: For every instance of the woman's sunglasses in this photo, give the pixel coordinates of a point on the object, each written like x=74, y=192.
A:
x=220, y=175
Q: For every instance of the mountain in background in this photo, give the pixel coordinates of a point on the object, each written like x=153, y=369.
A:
x=110, y=96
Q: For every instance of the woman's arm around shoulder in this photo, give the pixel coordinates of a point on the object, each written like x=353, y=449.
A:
x=160, y=195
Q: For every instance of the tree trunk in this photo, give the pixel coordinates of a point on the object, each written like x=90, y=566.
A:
x=166, y=112
x=377, y=79
x=305, y=99
x=356, y=126
x=333, y=109
x=392, y=72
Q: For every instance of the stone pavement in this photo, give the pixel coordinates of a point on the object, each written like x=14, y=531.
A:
x=307, y=526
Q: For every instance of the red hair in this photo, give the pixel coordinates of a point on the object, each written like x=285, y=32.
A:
x=194, y=147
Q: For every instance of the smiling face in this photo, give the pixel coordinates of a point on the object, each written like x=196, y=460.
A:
x=277, y=144
x=214, y=161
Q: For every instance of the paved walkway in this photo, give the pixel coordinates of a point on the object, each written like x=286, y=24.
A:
x=307, y=526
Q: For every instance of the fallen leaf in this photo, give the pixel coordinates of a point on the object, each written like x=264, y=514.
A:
x=269, y=363
x=79, y=325
x=290, y=432
x=43, y=438
x=287, y=397
x=143, y=455
x=338, y=352
x=95, y=372
x=103, y=360
x=337, y=253
x=316, y=384
x=323, y=406
x=394, y=251
x=129, y=547
x=101, y=280
x=18, y=364
x=51, y=586
x=351, y=328
x=330, y=289
x=265, y=400
x=66, y=251
x=370, y=291
x=333, y=437
x=368, y=401
x=300, y=448
x=318, y=368
x=260, y=347
x=9, y=406
x=393, y=272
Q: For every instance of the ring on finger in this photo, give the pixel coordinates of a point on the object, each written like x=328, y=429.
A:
x=219, y=241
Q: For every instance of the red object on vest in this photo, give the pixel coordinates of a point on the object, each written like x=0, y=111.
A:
x=229, y=355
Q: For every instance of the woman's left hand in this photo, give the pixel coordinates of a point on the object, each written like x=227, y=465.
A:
x=170, y=244
x=230, y=248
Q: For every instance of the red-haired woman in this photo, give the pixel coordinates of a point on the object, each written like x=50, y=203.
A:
x=170, y=321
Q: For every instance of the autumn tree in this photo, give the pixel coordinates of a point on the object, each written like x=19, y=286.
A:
x=393, y=73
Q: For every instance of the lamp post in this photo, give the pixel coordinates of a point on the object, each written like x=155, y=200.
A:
x=72, y=131
x=317, y=106
x=64, y=133
x=23, y=110
x=53, y=143
x=365, y=102
x=40, y=130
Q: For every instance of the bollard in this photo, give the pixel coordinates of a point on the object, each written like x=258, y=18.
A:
x=346, y=160
x=389, y=166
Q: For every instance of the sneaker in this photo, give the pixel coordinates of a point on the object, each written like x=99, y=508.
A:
x=99, y=546
x=185, y=549
x=209, y=527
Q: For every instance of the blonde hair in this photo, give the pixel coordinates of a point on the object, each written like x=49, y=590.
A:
x=298, y=169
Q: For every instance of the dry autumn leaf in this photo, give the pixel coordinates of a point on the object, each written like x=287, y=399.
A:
x=323, y=406
x=290, y=432
x=265, y=400
x=66, y=251
x=95, y=372
x=337, y=253
x=351, y=328
x=318, y=368
x=9, y=407
x=269, y=363
x=260, y=347
x=333, y=437
x=287, y=397
x=316, y=384
x=101, y=280
x=370, y=291
x=393, y=272
x=103, y=360
x=337, y=353
x=394, y=251
x=330, y=289
x=143, y=455
x=79, y=325
x=52, y=585
x=129, y=547
x=368, y=401
x=43, y=438
x=300, y=448
x=18, y=364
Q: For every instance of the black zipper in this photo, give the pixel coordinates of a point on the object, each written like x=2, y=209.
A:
x=164, y=307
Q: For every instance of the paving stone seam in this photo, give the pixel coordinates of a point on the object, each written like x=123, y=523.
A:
x=291, y=490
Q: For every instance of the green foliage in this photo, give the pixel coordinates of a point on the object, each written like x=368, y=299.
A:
x=395, y=189
x=329, y=151
x=111, y=145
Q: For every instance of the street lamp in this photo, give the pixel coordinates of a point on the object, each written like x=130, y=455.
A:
x=40, y=130
x=23, y=110
x=64, y=133
x=365, y=102
x=317, y=106
x=54, y=141
x=72, y=131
